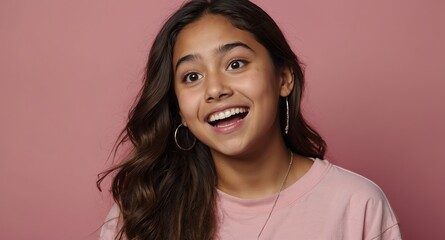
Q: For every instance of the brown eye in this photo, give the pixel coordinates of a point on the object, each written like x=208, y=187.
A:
x=236, y=64
x=191, y=77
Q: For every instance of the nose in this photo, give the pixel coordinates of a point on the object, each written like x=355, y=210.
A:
x=217, y=88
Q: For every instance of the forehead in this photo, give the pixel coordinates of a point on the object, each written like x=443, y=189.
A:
x=207, y=33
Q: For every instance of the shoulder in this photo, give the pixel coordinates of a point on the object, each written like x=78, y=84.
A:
x=110, y=227
x=355, y=189
x=362, y=200
x=354, y=185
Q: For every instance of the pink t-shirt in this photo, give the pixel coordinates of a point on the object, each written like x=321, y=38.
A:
x=328, y=202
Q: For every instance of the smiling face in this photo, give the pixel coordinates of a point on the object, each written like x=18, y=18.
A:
x=227, y=87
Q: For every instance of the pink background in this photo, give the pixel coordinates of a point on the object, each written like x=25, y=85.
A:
x=69, y=71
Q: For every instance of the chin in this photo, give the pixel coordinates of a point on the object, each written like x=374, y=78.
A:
x=231, y=151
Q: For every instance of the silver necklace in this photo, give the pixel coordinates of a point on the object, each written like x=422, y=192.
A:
x=278, y=195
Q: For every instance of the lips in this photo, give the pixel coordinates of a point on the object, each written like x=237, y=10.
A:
x=228, y=116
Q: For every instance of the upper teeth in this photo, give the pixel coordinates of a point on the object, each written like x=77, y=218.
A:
x=227, y=113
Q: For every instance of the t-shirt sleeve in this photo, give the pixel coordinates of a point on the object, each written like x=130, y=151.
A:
x=369, y=211
x=110, y=227
x=380, y=220
x=392, y=233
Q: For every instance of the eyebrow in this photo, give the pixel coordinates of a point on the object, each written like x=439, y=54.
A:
x=229, y=46
x=220, y=50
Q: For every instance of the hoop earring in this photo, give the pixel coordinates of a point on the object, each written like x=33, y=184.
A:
x=177, y=143
x=286, y=128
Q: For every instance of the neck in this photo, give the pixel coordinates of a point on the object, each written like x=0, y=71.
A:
x=253, y=175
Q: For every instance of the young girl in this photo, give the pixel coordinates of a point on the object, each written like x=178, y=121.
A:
x=220, y=147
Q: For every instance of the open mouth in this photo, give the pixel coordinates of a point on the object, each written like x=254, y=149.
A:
x=228, y=116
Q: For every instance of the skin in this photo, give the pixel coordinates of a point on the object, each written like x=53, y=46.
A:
x=220, y=67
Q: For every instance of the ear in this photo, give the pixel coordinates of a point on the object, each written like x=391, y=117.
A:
x=287, y=81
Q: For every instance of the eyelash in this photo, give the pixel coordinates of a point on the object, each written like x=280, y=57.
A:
x=243, y=63
x=186, y=76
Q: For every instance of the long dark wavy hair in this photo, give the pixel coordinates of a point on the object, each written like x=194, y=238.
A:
x=167, y=193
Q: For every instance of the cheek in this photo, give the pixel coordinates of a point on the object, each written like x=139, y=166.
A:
x=262, y=83
x=188, y=104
